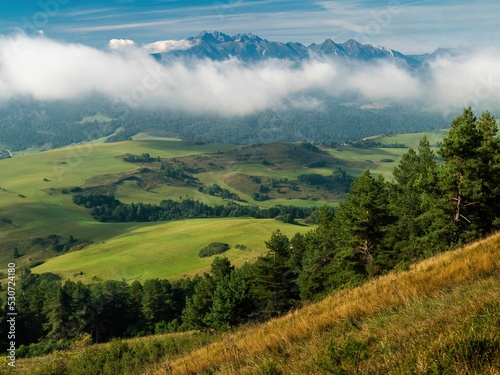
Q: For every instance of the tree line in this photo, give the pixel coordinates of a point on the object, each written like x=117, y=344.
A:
x=28, y=123
x=429, y=207
x=106, y=208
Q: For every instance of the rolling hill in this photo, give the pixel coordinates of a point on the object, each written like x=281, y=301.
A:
x=440, y=316
x=165, y=250
x=36, y=207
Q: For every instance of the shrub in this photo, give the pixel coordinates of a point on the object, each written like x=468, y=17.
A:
x=259, y=197
x=144, y=158
x=312, y=179
x=41, y=348
x=213, y=248
x=286, y=218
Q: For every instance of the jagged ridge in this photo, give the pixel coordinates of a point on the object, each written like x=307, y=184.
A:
x=251, y=48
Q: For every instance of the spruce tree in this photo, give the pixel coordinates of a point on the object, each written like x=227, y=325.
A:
x=274, y=285
x=318, y=250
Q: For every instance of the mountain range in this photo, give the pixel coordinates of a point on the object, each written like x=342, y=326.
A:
x=251, y=48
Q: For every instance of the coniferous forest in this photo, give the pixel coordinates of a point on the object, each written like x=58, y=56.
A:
x=434, y=203
x=28, y=123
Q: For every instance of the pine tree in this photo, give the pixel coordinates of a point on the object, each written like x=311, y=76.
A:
x=317, y=255
x=415, y=202
x=314, y=278
x=15, y=253
x=79, y=306
x=489, y=152
x=199, y=304
x=361, y=223
x=57, y=310
x=30, y=303
x=470, y=174
x=113, y=311
x=220, y=268
x=157, y=302
x=231, y=301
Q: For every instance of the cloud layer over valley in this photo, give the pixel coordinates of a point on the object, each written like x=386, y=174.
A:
x=46, y=69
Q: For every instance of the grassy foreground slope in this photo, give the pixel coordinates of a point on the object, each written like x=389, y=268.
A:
x=440, y=317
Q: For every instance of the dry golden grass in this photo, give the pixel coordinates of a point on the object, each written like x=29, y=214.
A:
x=61, y=359
x=440, y=317
x=292, y=341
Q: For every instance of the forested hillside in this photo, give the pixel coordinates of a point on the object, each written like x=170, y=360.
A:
x=28, y=123
x=439, y=317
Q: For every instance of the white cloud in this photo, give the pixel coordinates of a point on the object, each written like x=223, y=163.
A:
x=473, y=81
x=167, y=45
x=155, y=47
x=47, y=70
x=119, y=44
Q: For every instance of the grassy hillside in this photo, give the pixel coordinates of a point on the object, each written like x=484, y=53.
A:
x=382, y=160
x=31, y=205
x=165, y=250
x=35, y=202
x=440, y=317
x=413, y=139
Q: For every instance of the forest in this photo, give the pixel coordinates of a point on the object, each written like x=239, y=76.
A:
x=106, y=208
x=428, y=207
x=26, y=123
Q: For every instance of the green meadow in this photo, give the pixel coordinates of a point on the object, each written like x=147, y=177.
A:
x=166, y=250
x=413, y=139
x=383, y=160
x=97, y=118
x=34, y=204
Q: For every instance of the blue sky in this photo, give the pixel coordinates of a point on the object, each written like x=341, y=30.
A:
x=408, y=26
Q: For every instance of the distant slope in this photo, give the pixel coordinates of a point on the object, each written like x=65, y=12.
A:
x=36, y=210
x=22, y=127
x=31, y=203
x=165, y=250
x=35, y=201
